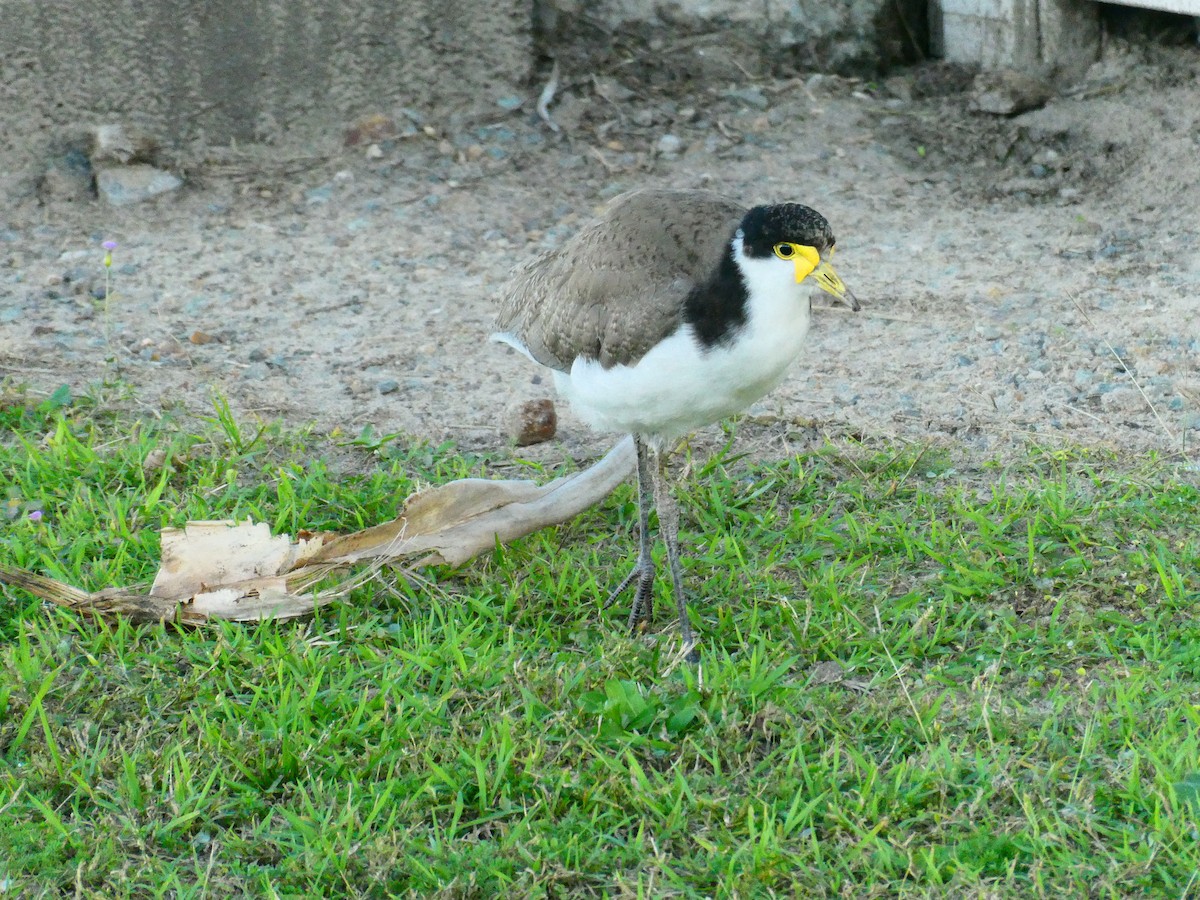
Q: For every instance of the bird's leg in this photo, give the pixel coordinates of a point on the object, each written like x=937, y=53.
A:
x=668, y=527
x=643, y=569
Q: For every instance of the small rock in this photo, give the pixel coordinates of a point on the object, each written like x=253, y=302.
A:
x=1006, y=92
x=258, y=354
x=320, y=194
x=669, y=145
x=374, y=151
x=201, y=337
x=611, y=89
x=121, y=144
x=988, y=332
x=531, y=421
x=388, y=386
x=751, y=96
x=125, y=185
x=371, y=130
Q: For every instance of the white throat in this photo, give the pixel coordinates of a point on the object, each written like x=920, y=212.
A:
x=777, y=305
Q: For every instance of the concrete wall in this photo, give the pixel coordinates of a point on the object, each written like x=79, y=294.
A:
x=1060, y=37
x=217, y=71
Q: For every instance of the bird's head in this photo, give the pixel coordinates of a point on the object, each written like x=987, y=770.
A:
x=799, y=241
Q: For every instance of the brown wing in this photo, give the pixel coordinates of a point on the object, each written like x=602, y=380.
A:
x=617, y=287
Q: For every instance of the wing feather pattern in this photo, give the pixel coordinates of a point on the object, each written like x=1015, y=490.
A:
x=617, y=287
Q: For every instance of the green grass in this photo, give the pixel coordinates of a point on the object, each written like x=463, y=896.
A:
x=917, y=682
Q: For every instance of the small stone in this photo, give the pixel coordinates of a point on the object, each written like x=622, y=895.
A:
x=126, y=185
x=1006, y=92
x=258, y=354
x=388, y=386
x=751, y=96
x=988, y=332
x=611, y=89
x=374, y=151
x=201, y=337
x=121, y=144
x=531, y=421
x=320, y=194
x=669, y=145
x=371, y=130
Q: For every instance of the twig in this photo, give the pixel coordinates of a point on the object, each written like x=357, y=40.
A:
x=604, y=162
x=547, y=97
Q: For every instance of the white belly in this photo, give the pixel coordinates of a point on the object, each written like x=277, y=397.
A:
x=677, y=387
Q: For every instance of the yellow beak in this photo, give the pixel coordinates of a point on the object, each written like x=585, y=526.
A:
x=830, y=282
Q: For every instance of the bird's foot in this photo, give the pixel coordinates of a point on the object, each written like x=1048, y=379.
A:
x=643, y=597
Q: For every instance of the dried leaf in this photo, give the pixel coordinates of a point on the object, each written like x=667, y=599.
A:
x=240, y=572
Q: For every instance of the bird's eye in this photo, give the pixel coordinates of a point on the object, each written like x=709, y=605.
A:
x=785, y=251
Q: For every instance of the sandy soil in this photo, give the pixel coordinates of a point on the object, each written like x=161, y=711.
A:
x=1006, y=263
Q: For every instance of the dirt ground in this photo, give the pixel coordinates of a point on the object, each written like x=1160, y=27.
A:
x=1026, y=279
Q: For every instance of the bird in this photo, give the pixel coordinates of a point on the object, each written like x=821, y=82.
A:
x=670, y=311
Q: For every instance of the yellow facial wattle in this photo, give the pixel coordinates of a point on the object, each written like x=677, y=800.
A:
x=805, y=259
x=808, y=262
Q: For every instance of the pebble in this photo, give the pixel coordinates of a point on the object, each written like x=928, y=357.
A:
x=531, y=421
x=316, y=195
x=669, y=145
x=388, y=386
x=126, y=185
x=751, y=96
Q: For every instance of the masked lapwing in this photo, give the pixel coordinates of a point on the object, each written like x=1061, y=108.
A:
x=674, y=309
